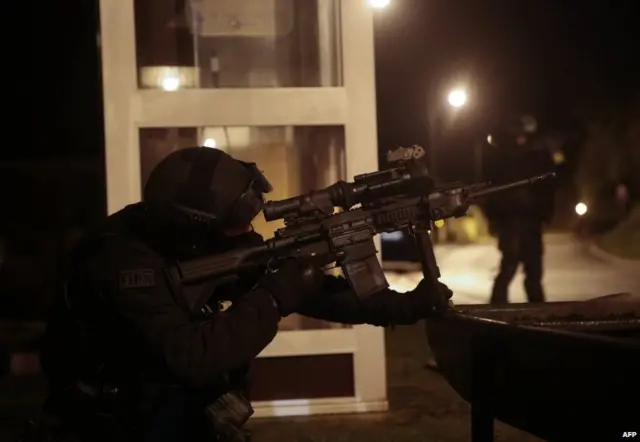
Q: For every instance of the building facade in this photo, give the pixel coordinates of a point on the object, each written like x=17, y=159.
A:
x=288, y=84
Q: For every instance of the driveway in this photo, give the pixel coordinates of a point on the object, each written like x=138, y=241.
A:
x=573, y=272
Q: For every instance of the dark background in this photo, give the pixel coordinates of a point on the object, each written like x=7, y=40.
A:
x=556, y=59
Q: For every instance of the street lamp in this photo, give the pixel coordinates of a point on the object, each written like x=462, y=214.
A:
x=379, y=4
x=457, y=98
x=581, y=209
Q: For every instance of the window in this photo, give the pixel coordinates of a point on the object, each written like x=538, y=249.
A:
x=237, y=43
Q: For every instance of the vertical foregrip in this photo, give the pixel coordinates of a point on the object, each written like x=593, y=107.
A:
x=426, y=251
x=430, y=270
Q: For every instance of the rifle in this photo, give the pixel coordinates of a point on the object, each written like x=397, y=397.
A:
x=403, y=198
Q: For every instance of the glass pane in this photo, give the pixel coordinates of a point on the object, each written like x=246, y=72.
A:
x=295, y=159
x=237, y=43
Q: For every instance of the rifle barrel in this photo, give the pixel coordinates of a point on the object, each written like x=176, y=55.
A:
x=501, y=188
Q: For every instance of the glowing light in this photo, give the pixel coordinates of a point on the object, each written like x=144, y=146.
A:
x=170, y=80
x=457, y=98
x=379, y=4
x=210, y=142
x=558, y=157
x=581, y=209
x=530, y=124
x=439, y=223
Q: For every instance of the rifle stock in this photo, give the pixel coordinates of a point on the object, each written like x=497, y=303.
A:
x=217, y=265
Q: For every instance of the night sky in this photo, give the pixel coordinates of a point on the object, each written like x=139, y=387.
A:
x=549, y=57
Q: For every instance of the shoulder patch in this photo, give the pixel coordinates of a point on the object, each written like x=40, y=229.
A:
x=137, y=278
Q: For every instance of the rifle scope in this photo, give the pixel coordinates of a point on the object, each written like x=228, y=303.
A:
x=410, y=179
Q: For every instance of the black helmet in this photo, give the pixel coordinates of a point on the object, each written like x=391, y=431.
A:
x=207, y=185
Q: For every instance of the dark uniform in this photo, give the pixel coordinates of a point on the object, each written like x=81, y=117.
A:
x=126, y=357
x=518, y=217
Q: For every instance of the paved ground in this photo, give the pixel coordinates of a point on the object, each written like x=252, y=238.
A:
x=422, y=407
x=572, y=272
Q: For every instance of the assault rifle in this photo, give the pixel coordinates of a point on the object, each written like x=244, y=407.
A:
x=403, y=197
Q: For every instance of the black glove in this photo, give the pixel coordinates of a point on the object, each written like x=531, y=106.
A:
x=438, y=300
x=294, y=280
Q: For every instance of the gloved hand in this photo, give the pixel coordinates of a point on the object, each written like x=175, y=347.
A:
x=295, y=280
x=438, y=300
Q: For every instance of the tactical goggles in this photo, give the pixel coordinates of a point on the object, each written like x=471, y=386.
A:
x=251, y=201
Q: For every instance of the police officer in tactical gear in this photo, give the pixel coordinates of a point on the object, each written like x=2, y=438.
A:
x=518, y=217
x=127, y=360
